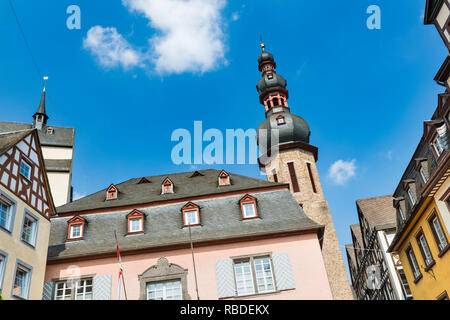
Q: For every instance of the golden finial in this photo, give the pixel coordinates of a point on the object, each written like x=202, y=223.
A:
x=263, y=46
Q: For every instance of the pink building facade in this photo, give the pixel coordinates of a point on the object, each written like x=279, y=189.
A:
x=251, y=240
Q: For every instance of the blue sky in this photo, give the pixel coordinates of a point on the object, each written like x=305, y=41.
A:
x=363, y=92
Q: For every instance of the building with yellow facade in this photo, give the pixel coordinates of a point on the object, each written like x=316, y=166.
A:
x=422, y=198
x=26, y=206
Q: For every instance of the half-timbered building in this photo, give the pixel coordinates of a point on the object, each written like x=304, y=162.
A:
x=375, y=273
x=26, y=206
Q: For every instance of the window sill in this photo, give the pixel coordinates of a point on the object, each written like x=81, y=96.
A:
x=28, y=244
x=251, y=218
x=5, y=230
x=192, y=225
x=428, y=267
x=19, y=297
x=256, y=295
x=134, y=233
x=74, y=239
x=444, y=251
x=417, y=279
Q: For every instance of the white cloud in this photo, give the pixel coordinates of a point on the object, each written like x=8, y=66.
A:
x=111, y=48
x=190, y=36
x=78, y=195
x=341, y=171
x=235, y=16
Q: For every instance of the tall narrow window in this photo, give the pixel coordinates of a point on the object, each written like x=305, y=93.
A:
x=2, y=270
x=29, y=229
x=422, y=174
x=411, y=197
x=293, y=176
x=311, y=177
x=438, y=146
x=424, y=249
x=401, y=214
x=21, y=286
x=438, y=233
x=5, y=214
x=413, y=263
x=405, y=285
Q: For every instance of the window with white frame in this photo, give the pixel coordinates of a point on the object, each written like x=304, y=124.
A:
x=422, y=174
x=76, y=231
x=411, y=197
x=438, y=146
x=191, y=217
x=79, y=290
x=22, y=282
x=168, y=290
x=425, y=249
x=249, y=210
x=401, y=214
x=136, y=225
x=25, y=169
x=29, y=229
x=254, y=275
x=405, y=285
x=438, y=232
x=2, y=270
x=5, y=214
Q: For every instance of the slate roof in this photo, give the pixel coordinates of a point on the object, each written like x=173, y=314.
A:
x=9, y=139
x=379, y=211
x=220, y=218
x=62, y=137
x=132, y=193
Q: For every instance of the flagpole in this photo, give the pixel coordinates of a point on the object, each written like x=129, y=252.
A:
x=121, y=268
x=193, y=260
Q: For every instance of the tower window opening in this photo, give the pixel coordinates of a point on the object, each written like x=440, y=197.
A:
x=275, y=102
x=270, y=76
x=293, y=176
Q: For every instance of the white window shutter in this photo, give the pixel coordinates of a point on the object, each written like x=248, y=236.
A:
x=47, y=294
x=225, y=278
x=283, y=271
x=102, y=287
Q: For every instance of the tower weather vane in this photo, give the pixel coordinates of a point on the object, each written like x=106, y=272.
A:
x=261, y=40
x=45, y=81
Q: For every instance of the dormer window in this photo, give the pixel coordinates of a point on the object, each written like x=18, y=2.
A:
x=281, y=120
x=248, y=207
x=423, y=175
x=111, y=193
x=191, y=215
x=411, y=197
x=167, y=186
x=224, y=178
x=438, y=146
x=50, y=130
x=76, y=228
x=135, y=222
x=143, y=180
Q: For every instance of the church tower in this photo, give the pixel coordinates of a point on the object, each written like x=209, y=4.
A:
x=287, y=156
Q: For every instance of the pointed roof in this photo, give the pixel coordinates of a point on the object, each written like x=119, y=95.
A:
x=41, y=109
x=379, y=211
x=9, y=139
